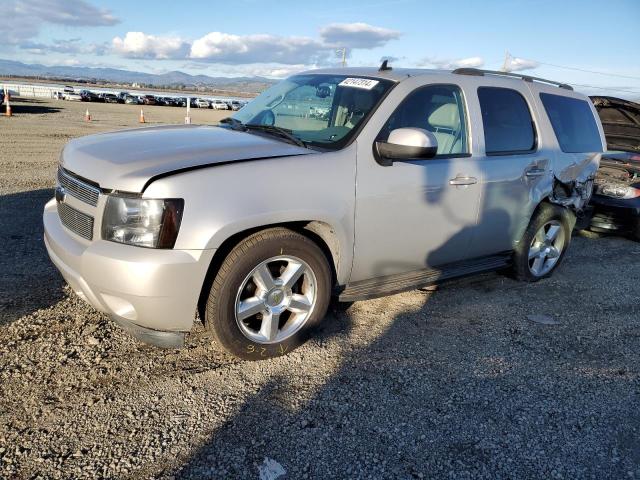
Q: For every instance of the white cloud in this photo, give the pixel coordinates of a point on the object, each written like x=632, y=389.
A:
x=269, y=70
x=357, y=35
x=449, y=64
x=471, y=62
x=23, y=19
x=279, y=71
x=259, y=48
x=141, y=45
x=515, y=64
x=231, y=49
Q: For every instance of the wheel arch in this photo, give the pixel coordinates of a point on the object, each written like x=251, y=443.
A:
x=560, y=195
x=321, y=233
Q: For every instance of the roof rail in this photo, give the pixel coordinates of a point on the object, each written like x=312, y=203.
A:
x=527, y=78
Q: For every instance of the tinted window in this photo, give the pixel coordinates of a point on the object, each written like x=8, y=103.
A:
x=438, y=109
x=508, y=127
x=573, y=123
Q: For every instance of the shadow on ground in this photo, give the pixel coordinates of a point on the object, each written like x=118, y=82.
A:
x=445, y=392
x=29, y=106
x=28, y=279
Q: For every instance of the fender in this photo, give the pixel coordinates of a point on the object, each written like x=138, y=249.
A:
x=225, y=200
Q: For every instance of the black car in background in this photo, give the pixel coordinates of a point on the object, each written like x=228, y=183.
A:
x=616, y=195
x=88, y=96
x=111, y=98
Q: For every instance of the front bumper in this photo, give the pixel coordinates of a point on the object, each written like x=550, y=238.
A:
x=152, y=293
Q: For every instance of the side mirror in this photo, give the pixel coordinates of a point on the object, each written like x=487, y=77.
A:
x=407, y=144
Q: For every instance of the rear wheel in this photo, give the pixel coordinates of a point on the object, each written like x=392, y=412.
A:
x=543, y=244
x=270, y=291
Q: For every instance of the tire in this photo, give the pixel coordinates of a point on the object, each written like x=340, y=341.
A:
x=244, y=300
x=551, y=247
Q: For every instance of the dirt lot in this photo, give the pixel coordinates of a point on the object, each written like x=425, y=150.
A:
x=456, y=383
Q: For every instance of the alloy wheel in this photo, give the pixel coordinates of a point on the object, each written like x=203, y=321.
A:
x=275, y=299
x=546, y=248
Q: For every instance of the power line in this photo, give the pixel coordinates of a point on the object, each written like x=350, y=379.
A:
x=588, y=71
x=632, y=90
x=606, y=88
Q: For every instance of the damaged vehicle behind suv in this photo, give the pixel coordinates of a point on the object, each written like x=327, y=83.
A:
x=616, y=198
x=412, y=177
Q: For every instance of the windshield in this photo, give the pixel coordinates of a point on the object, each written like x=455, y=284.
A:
x=320, y=110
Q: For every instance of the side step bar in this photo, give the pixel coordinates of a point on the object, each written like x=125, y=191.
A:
x=402, y=282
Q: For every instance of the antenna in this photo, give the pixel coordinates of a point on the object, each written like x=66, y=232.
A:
x=385, y=67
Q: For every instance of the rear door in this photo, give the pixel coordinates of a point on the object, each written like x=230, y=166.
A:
x=513, y=163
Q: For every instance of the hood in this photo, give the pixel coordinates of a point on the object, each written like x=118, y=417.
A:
x=620, y=122
x=128, y=159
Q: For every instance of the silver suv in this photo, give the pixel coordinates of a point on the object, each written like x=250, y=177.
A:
x=411, y=177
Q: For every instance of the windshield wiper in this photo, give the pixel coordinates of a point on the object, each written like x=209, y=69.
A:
x=234, y=123
x=281, y=132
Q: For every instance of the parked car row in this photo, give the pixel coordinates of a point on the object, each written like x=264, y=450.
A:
x=218, y=104
x=131, y=99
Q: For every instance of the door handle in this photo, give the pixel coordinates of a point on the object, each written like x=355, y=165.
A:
x=535, y=172
x=462, y=181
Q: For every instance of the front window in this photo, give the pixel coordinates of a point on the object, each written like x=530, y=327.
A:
x=319, y=110
x=438, y=109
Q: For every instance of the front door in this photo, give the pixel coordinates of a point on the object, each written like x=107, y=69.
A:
x=419, y=213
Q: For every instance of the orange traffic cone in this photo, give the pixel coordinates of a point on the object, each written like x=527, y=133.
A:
x=7, y=111
x=87, y=116
x=141, y=116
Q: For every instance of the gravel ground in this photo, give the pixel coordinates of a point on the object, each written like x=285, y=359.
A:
x=456, y=383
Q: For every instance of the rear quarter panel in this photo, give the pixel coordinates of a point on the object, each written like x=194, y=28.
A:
x=568, y=167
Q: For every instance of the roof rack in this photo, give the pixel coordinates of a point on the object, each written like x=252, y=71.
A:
x=527, y=78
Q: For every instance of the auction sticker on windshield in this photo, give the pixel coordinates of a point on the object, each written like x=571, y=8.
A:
x=364, y=83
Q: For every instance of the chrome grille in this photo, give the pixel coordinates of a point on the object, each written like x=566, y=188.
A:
x=78, y=189
x=76, y=221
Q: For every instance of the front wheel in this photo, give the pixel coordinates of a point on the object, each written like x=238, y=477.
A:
x=543, y=244
x=269, y=293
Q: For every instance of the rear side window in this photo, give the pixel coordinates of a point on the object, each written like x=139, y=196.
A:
x=508, y=127
x=573, y=123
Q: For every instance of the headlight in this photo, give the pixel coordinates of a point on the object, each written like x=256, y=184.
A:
x=142, y=222
x=624, y=192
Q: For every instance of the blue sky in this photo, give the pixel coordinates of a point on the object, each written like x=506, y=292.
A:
x=256, y=37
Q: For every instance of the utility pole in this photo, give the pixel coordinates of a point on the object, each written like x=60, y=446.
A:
x=343, y=53
x=507, y=62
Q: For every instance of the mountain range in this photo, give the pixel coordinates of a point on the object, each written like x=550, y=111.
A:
x=115, y=75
